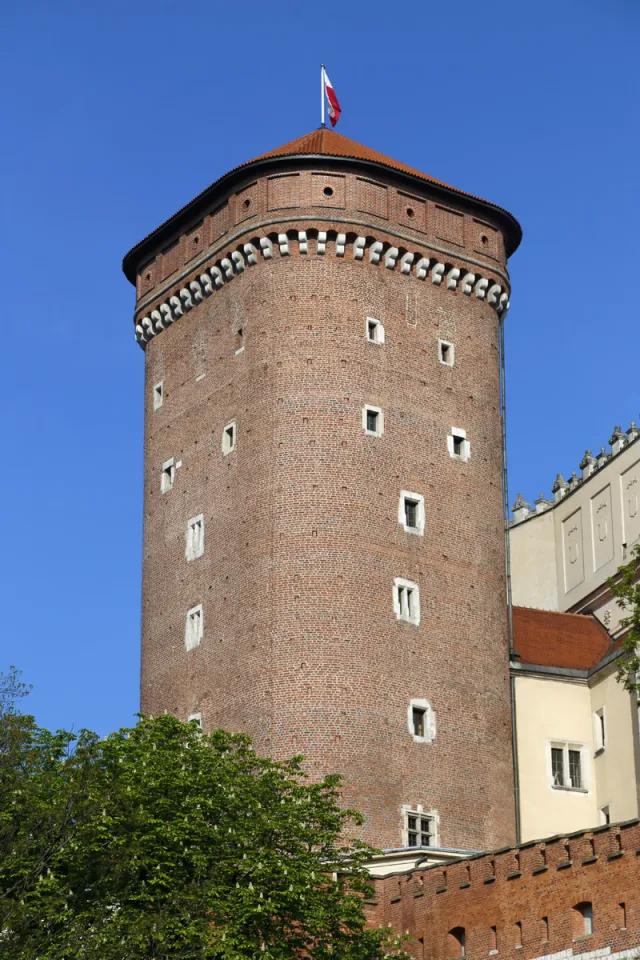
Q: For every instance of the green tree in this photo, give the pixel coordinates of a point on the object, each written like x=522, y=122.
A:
x=159, y=842
x=625, y=587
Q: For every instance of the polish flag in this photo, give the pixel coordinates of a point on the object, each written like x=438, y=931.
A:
x=334, y=107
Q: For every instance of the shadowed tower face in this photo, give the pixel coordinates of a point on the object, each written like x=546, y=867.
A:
x=323, y=532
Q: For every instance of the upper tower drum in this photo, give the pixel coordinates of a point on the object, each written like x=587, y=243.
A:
x=323, y=528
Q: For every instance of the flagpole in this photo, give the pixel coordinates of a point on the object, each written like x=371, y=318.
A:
x=322, y=94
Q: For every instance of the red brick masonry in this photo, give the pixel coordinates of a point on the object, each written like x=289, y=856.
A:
x=529, y=894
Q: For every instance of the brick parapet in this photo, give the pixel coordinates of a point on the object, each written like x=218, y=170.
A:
x=522, y=885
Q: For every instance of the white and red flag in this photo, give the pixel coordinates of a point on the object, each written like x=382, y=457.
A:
x=333, y=106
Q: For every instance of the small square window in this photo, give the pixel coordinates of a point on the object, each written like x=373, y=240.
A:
x=458, y=445
x=372, y=421
x=158, y=395
x=193, y=627
x=168, y=475
x=421, y=721
x=229, y=438
x=411, y=512
x=446, y=352
x=195, y=538
x=406, y=601
x=374, y=331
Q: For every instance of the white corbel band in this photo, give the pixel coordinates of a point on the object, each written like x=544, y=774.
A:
x=195, y=290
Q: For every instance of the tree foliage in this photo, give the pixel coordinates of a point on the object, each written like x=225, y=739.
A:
x=626, y=589
x=159, y=842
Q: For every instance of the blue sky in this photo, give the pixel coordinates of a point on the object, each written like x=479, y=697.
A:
x=116, y=114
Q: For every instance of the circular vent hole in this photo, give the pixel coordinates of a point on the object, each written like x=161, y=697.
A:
x=328, y=191
x=411, y=213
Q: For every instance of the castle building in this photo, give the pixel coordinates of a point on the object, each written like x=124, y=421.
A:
x=324, y=556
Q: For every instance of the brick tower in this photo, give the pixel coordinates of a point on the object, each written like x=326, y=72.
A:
x=323, y=531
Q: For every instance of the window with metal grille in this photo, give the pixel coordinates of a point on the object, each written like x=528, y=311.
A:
x=575, y=772
x=557, y=766
x=567, y=766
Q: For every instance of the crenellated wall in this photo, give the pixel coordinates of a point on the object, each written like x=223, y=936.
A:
x=528, y=894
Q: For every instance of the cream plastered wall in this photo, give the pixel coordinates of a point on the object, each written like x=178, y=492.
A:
x=616, y=766
x=550, y=710
x=534, y=579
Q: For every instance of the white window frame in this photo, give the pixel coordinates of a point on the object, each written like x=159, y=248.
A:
x=565, y=746
x=459, y=434
x=604, y=814
x=194, y=627
x=403, y=609
x=195, y=544
x=600, y=730
x=378, y=334
x=418, y=810
x=197, y=717
x=158, y=395
x=229, y=443
x=168, y=475
x=402, y=515
x=369, y=408
x=452, y=352
x=429, y=720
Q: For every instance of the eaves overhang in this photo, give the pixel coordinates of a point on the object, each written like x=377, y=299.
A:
x=163, y=234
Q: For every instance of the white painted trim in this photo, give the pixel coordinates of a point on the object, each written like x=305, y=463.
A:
x=158, y=395
x=429, y=720
x=461, y=434
x=409, y=612
x=194, y=547
x=194, y=627
x=229, y=443
x=197, y=717
x=379, y=422
x=585, y=769
x=168, y=475
x=378, y=337
x=600, y=736
x=402, y=517
x=452, y=352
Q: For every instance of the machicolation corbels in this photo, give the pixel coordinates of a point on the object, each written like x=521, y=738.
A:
x=246, y=255
x=589, y=465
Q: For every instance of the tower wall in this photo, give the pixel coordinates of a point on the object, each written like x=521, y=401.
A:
x=301, y=647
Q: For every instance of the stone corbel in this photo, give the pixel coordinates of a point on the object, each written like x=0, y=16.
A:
x=238, y=261
x=374, y=251
x=322, y=242
x=196, y=290
x=176, y=307
x=391, y=257
x=227, y=268
x=216, y=276
x=422, y=268
x=341, y=240
x=303, y=245
x=251, y=254
x=436, y=274
x=158, y=325
x=185, y=296
x=481, y=288
x=452, y=278
x=493, y=294
x=358, y=247
x=267, y=247
x=467, y=283
x=206, y=284
x=283, y=243
x=147, y=326
x=504, y=303
x=405, y=262
x=167, y=317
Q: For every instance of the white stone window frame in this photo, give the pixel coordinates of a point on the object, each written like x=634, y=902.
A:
x=459, y=434
x=195, y=545
x=369, y=408
x=452, y=352
x=197, y=717
x=194, y=627
x=408, y=612
x=378, y=335
x=417, y=810
x=158, y=395
x=402, y=515
x=168, y=475
x=419, y=703
x=600, y=730
x=565, y=746
x=229, y=443
x=604, y=814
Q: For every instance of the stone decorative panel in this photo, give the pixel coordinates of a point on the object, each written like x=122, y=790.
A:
x=218, y=222
x=572, y=549
x=372, y=198
x=247, y=201
x=485, y=239
x=630, y=488
x=411, y=211
x=449, y=225
x=194, y=241
x=171, y=259
x=328, y=190
x=602, y=527
x=284, y=191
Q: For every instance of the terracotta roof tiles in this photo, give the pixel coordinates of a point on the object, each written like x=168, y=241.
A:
x=550, y=639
